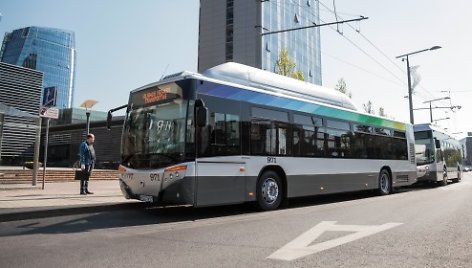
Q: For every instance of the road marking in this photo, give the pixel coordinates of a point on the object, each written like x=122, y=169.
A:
x=300, y=246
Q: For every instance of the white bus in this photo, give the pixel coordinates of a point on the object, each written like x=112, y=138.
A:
x=438, y=155
x=238, y=134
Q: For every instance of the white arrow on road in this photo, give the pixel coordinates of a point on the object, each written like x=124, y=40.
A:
x=300, y=246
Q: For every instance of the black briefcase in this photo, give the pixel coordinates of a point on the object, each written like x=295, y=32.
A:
x=81, y=175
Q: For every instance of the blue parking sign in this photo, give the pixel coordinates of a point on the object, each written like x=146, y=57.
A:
x=49, y=96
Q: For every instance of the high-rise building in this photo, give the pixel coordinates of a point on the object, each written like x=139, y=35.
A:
x=51, y=51
x=243, y=31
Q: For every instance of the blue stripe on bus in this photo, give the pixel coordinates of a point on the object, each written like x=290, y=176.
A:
x=235, y=93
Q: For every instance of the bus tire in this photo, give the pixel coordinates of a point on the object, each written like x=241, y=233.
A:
x=385, y=182
x=269, y=190
x=443, y=182
x=459, y=177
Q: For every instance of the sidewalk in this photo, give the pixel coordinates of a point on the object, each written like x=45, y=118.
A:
x=22, y=201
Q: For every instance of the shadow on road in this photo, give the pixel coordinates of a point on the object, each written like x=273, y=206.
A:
x=141, y=214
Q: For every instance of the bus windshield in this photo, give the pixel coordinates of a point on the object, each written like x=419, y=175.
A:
x=424, y=148
x=154, y=136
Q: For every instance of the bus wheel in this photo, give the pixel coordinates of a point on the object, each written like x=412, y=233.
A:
x=444, y=180
x=458, y=178
x=269, y=191
x=385, y=182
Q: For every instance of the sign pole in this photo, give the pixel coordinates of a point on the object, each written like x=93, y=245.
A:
x=46, y=141
x=36, y=152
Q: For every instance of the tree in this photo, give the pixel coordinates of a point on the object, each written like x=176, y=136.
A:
x=342, y=87
x=286, y=66
x=382, y=112
x=368, y=107
x=298, y=75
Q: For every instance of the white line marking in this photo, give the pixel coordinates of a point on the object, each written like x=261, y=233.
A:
x=299, y=247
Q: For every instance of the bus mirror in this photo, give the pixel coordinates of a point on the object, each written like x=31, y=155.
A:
x=109, y=117
x=437, y=143
x=201, y=116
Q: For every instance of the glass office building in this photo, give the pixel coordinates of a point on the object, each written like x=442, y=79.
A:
x=51, y=51
x=242, y=31
x=303, y=46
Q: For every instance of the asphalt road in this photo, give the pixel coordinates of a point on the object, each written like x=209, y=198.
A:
x=422, y=226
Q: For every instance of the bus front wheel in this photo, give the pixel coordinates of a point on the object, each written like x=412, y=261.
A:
x=269, y=190
x=385, y=182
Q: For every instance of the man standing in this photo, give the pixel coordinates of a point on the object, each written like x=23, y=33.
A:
x=87, y=161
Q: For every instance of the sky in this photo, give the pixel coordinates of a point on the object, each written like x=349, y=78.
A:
x=123, y=45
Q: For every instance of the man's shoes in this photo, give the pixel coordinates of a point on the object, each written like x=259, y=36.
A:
x=82, y=193
x=88, y=192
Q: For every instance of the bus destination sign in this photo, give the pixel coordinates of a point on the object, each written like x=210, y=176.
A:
x=156, y=95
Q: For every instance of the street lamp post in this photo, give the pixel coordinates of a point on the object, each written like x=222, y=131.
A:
x=410, y=90
x=87, y=114
x=431, y=108
x=87, y=105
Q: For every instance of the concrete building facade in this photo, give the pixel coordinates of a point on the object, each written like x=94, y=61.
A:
x=20, y=90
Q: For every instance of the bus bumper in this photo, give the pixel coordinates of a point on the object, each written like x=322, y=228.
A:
x=180, y=192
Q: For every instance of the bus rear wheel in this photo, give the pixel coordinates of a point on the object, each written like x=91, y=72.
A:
x=269, y=190
x=385, y=182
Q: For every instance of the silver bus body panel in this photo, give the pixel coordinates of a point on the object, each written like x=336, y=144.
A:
x=232, y=179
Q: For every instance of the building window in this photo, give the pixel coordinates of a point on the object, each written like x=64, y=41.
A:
x=229, y=29
x=30, y=61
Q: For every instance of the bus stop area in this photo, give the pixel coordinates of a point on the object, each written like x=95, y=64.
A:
x=24, y=201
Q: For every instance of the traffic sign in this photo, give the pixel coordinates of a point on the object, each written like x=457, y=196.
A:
x=49, y=96
x=49, y=112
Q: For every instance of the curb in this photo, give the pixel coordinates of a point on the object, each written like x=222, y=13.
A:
x=65, y=211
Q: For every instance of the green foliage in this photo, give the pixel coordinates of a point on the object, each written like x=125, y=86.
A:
x=382, y=112
x=286, y=66
x=342, y=87
x=452, y=157
x=368, y=107
x=298, y=75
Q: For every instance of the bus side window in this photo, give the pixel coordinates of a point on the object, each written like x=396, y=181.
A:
x=224, y=136
x=437, y=143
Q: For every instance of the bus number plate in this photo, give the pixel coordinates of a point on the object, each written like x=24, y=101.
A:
x=146, y=198
x=271, y=159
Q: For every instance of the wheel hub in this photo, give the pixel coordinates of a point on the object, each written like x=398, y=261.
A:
x=384, y=183
x=270, y=190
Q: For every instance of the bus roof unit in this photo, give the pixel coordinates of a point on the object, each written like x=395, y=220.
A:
x=253, y=77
